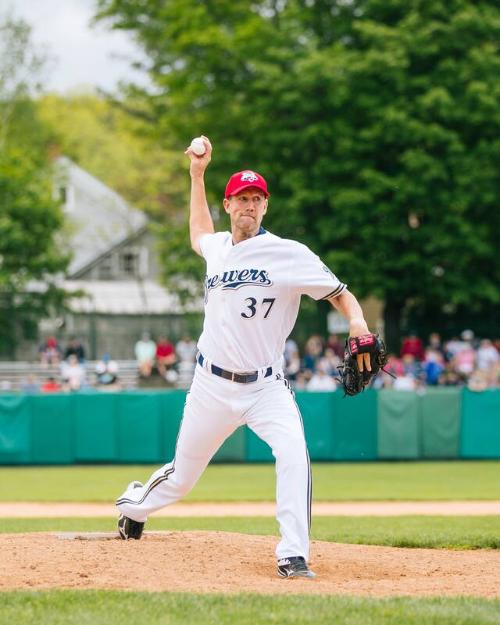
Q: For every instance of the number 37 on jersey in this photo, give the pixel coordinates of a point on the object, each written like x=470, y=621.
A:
x=255, y=306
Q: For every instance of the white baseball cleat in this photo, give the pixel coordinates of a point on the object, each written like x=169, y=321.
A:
x=128, y=528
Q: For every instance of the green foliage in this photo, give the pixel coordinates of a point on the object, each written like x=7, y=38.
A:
x=339, y=481
x=95, y=131
x=116, y=146
x=30, y=254
x=21, y=65
x=377, y=124
x=70, y=607
x=29, y=251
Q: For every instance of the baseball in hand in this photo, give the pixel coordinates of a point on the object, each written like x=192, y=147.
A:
x=198, y=147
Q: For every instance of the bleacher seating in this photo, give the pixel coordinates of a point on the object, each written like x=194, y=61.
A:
x=14, y=374
x=186, y=372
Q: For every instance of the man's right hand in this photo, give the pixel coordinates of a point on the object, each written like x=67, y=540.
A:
x=199, y=163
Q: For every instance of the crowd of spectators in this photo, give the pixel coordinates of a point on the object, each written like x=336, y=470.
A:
x=160, y=357
x=72, y=369
x=67, y=368
x=163, y=357
x=461, y=361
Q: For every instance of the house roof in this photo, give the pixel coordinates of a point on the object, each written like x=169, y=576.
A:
x=98, y=218
x=127, y=298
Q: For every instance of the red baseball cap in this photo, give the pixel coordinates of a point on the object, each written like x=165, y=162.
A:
x=243, y=180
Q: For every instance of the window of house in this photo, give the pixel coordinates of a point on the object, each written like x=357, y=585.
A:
x=134, y=262
x=129, y=262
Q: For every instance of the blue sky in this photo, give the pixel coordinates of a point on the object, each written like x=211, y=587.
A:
x=81, y=55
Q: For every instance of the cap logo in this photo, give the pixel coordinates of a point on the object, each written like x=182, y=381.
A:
x=249, y=176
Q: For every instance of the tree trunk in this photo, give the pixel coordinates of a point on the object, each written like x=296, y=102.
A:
x=392, y=325
x=9, y=327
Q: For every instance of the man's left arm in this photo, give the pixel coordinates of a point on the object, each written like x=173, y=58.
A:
x=349, y=307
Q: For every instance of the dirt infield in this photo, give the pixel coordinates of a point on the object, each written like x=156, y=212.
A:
x=348, y=508
x=229, y=563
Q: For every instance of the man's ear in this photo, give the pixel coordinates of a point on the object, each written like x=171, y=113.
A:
x=225, y=203
x=265, y=207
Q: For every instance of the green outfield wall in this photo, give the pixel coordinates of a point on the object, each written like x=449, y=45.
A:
x=142, y=427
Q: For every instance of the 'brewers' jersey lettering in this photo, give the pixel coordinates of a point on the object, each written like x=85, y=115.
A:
x=234, y=279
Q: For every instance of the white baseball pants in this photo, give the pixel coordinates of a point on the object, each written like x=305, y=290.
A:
x=214, y=408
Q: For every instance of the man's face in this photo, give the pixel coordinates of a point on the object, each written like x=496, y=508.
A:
x=246, y=209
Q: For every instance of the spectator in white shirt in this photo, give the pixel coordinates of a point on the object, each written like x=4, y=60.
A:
x=321, y=381
x=73, y=373
x=487, y=355
x=145, y=352
x=186, y=349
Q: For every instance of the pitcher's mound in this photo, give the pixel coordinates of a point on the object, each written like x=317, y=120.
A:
x=99, y=535
x=228, y=562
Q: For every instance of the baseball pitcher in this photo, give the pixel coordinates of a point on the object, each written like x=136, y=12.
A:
x=254, y=282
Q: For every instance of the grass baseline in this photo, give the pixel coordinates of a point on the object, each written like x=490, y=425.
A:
x=439, y=532
x=66, y=607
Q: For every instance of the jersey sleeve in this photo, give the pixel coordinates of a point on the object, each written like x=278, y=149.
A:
x=310, y=276
x=210, y=243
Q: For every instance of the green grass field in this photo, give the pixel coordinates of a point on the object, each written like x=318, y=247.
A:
x=408, y=531
x=332, y=482
x=116, y=608
x=256, y=482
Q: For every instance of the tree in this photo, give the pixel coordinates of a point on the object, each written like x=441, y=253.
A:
x=113, y=140
x=115, y=146
x=20, y=68
x=31, y=257
x=377, y=123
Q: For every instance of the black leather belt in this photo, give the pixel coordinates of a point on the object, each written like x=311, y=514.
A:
x=242, y=378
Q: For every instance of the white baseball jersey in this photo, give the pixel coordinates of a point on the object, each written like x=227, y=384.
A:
x=253, y=292
x=252, y=296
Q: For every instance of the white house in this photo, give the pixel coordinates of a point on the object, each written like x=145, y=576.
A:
x=115, y=264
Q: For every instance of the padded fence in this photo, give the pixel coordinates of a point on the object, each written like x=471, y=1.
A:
x=142, y=427
x=480, y=433
x=440, y=421
x=398, y=425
